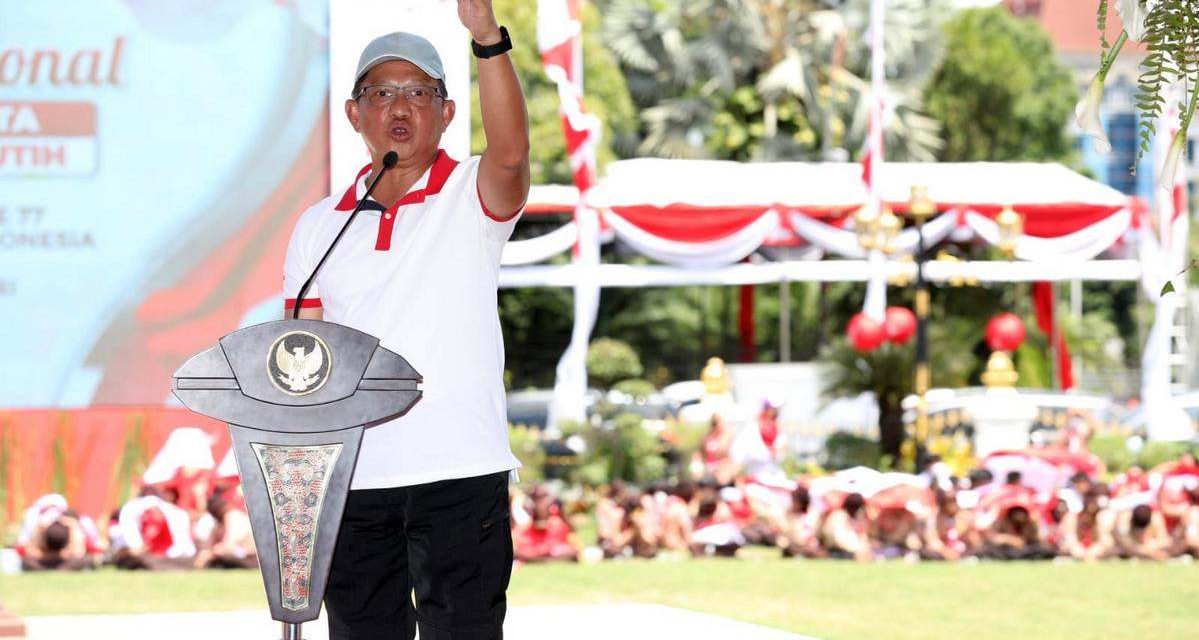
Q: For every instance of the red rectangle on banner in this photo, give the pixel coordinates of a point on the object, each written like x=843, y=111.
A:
x=47, y=119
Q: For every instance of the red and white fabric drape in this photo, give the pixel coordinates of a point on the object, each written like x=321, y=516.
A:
x=694, y=239
x=962, y=224
x=559, y=35
x=705, y=214
x=704, y=238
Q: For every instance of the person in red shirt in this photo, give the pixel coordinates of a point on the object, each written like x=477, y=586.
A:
x=1141, y=533
x=673, y=505
x=1190, y=526
x=798, y=532
x=547, y=535
x=715, y=533
x=637, y=533
x=845, y=530
x=716, y=447
x=232, y=540
x=946, y=530
x=1087, y=534
x=59, y=545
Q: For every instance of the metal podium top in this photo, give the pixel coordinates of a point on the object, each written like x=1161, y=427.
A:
x=298, y=376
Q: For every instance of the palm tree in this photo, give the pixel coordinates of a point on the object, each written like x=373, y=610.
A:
x=679, y=58
x=772, y=79
x=889, y=372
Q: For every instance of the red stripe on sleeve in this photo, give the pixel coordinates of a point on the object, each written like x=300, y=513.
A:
x=308, y=303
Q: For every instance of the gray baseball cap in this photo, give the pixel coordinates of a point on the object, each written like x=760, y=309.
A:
x=401, y=46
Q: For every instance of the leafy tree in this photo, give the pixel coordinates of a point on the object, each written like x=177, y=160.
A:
x=771, y=79
x=537, y=324
x=889, y=372
x=609, y=361
x=1000, y=93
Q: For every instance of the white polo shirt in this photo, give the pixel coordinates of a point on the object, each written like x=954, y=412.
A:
x=422, y=277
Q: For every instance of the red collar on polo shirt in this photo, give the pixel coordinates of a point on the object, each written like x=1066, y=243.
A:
x=443, y=166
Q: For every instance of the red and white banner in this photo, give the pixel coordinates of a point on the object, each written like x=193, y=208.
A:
x=559, y=36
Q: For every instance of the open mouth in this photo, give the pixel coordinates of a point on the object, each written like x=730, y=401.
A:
x=400, y=132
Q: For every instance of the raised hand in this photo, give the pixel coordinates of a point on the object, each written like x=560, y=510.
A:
x=479, y=18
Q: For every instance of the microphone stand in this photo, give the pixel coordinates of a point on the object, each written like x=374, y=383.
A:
x=291, y=630
x=389, y=161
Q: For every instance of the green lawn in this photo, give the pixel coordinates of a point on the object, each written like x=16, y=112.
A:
x=831, y=600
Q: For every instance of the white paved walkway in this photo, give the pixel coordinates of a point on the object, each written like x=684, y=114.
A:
x=576, y=622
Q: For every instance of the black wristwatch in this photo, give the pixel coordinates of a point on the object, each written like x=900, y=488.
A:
x=504, y=45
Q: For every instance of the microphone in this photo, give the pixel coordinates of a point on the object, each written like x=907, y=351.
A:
x=389, y=160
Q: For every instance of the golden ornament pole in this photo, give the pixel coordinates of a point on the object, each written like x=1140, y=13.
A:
x=920, y=207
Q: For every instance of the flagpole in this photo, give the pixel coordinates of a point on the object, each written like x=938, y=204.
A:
x=560, y=39
x=876, y=288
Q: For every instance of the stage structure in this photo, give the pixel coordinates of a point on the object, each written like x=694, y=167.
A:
x=729, y=223
x=297, y=395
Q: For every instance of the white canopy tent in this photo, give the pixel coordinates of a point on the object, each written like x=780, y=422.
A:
x=701, y=221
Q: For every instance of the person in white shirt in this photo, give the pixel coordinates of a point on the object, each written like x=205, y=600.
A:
x=428, y=508
x=232, y=539
x=155, y=534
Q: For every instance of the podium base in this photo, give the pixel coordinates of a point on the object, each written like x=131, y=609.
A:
x=291, y=631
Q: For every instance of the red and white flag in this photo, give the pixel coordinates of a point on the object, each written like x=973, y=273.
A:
x=876, y=288
x=560, y=37
x=872, y=157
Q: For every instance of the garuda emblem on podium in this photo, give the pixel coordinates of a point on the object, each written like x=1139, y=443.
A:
x=299, y=362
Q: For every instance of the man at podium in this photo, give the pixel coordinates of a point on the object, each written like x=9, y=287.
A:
x=428, y=506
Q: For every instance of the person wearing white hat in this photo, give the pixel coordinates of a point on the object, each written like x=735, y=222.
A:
x=418, y=268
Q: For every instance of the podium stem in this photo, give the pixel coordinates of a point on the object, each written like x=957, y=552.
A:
x=291, y=631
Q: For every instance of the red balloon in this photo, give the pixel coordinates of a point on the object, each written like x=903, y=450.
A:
x=1005, y=332
x=899, y=325
x=864, y=333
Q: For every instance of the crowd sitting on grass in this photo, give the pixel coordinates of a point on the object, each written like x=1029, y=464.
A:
x=867, y=516
x=196, y=517
x=194, y=520
x=976, y=518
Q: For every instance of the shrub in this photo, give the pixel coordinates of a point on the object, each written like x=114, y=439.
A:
x=843, y=450
x=621, y=448
x=1113, y=451
x=638, y=388
x=526, y=446
x=609, y=360
x=1156, y=453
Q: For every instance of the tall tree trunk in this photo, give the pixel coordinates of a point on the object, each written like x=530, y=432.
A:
x=890, y=427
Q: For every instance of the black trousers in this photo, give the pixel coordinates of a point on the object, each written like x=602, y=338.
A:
x=448, y=541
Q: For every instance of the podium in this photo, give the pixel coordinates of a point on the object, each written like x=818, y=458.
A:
x=297, y=395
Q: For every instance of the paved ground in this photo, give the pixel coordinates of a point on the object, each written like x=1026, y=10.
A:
x=591, y=622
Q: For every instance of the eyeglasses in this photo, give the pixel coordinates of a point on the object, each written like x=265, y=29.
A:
x=382, y=95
